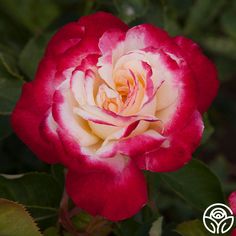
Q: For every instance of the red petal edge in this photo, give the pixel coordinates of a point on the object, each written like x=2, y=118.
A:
x=115, y=195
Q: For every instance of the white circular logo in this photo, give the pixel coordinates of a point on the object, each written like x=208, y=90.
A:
x=218, y=218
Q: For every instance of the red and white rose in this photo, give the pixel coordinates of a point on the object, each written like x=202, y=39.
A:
x=109, y=102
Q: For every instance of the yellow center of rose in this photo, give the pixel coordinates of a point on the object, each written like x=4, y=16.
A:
x=126, y=97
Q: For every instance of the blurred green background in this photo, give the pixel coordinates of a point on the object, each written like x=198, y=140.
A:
x=25, y=28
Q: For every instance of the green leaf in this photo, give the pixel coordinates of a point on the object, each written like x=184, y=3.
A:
x=202, y=13
x=131, y=9
x=192, y=228
x=15, y=220
x=52, y=231
x=179, y=8
x=170, y=20
x=127, y=227
x=220, y=45
x=8, y=61
x=154, y=14
x=39, y=192
x=58, y=173
x=156, y=229
x=34, y=15
x=196, y=184
x=226, y=67
x=5, y=127
x=10, y=90
x=10, y=81
x=228, y=20
x=32, y=53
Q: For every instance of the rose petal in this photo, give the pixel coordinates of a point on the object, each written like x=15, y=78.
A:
x=116, y=195
x=204, y=71
x=62, y=111
x=176, y=150
x=26, y=119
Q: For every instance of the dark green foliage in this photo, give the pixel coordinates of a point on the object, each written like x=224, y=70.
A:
x=25, y=28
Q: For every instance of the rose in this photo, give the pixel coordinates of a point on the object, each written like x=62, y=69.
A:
x=108, y=102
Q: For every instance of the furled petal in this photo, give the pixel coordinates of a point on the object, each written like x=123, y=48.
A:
x=102, y=116
x=133, y=146
x=110, y=40
x=140, y=144
x=62, y=111
x=114, y=194
x=204, y=72
x=115, y=44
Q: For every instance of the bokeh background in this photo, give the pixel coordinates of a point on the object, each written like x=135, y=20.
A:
x=27, y=25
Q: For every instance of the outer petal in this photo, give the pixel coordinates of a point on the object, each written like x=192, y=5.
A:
x=176, y=150
x=145, y=35
x=181, y=83
x=65, y=38
x=204, y=71
x=232, y=202
x=71, y=34
x=116, y=195
x=96, y=24
x=26, y=119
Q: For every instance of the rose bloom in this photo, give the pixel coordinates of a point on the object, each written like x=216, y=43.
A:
x=108, y=102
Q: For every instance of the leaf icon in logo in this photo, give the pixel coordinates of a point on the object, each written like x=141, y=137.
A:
x=226, y=224
x=210, y=224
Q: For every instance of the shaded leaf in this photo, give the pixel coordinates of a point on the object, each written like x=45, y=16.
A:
x=202, y=13
x=32, y=53
x=155, y=14
x=193, y=228
x=220, y=45
x=34, y=15
x=196, y=184
x=5, y=127
x=170, y=20
x=10, y=81
x=228, y=20
x=58, y=173
x=39, y=192
x=8, y=61
x=10, y=90
x=226, y=67
x=52, y=231
x=15, y=221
